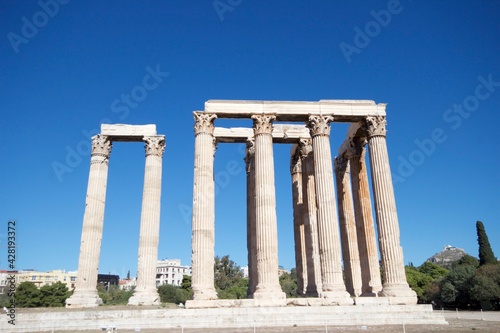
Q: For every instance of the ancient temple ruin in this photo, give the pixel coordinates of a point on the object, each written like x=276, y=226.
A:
x=323, y=240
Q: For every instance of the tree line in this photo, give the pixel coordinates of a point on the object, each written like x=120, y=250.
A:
x=469, y=284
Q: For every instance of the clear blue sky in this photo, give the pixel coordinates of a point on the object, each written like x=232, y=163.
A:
x=68, y=68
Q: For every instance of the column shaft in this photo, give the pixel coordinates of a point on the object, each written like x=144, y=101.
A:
x=329, y=247
x=365, y=228
x=145, y=292
x=203, y=251
x=85, y=294
x=314, y=284
x=395, y=284
x=352, y=269
x=251, y=231
x=268, y=286
x=298, y=221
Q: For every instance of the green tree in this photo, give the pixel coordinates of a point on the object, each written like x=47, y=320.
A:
x=417, y=280
x=114, y=295
x=227, y=272
x=486, y=286
x=171, y=294
x=433, y=270
x=28, y=295
x=486, y=255
x=186, y=286
x=289, y=284
x=456, y=287
x=466, y=260
x=54, y=295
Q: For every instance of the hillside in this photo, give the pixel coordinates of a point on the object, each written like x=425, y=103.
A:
x=446, y=257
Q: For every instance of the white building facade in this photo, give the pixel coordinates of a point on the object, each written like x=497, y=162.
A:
x=170, y=271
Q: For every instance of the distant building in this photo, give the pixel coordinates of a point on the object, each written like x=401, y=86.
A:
x=4, y=275
x=170, y=271
x=282, y=270
x=127, y=284
x=108, y=280
x=244, y=269
x=41, y=279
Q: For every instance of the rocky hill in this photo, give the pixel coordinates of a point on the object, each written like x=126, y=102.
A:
x=446, y=257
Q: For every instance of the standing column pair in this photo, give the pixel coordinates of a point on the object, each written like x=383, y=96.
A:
x=85, y=294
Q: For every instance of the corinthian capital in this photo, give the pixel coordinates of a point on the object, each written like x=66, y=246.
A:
x=319, y=125
x=296, y=163
x=203, y=123
x=263, y=124
x=249, y=153
x=101, y=146
x=356, y=148
x=155, y=145
x=305, y=147
x=340, y=165
x=375, y=126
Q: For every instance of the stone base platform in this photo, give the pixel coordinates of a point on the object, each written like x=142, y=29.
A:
x=137, y=318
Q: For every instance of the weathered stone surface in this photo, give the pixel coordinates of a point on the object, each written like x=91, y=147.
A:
x=203, y=223
x=85, y=294
x=343, y=110
x=124, y=132
x=394, y=284
x=146, y=292
x=237, y=315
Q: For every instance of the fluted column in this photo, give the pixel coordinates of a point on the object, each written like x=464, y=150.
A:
x=268, y=286
x=251, y=240
x=310, y=212
x=365, y=228
x=395, y=284
x=85, y=294
x=329, y=241
x=202, y=242
x=352, y=269
x=145, y=292
x=298, y=221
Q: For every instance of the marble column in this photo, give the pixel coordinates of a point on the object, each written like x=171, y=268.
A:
x=145, y=292
x=313, y=288
x=85, y=294
x=268, y=286
x=202, y=242
x=395, y=284
x=329, y=242
x=251, y=240
x=298, y=222
x=350, y=254
x=365, y=228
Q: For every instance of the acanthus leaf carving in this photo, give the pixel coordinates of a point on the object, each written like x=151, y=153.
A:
x=319, y=125
x=263, y=124
x=155, y=145
x=203, y=123
x=376, y=126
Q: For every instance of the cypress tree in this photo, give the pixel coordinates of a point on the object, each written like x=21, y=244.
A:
x=486, y=255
